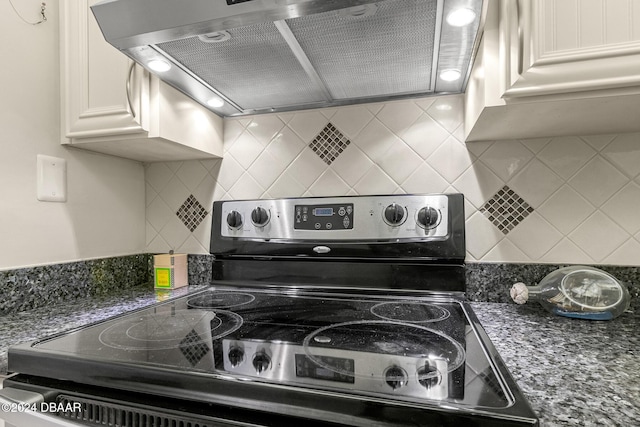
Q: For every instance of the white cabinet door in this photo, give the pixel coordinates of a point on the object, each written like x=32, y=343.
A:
x=112, y=106
x=94, y=78
x=556, y=67
x=564, y=46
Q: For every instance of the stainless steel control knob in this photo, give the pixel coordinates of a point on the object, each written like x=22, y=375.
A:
x=261, y=361
x=234, y=220
x=259, y=217
x=428, y=376
x=236, y=356
x=394, y=214
x=396, y=377
x=428, y=217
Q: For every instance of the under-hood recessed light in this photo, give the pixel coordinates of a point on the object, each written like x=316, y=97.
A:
x=159, y=65
x=461, y=17
x=450, y=75
x=215, y=102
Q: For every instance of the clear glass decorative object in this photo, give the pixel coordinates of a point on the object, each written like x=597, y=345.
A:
x=578, y=292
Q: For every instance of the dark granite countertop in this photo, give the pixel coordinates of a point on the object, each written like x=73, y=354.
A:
x=573, y=372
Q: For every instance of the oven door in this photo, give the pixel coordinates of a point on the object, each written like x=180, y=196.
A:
x=20, y=408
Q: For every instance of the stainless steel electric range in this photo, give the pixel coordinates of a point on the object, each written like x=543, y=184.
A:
x=322, y=311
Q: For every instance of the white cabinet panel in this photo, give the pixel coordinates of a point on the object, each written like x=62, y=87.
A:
x=556, y=67
x=576, y=24
x=111, y=106
x=548, y=54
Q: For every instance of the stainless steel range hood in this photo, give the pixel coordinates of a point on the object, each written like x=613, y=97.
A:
x=242, y=57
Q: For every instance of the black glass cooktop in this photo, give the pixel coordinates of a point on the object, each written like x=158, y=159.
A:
x=417, y=350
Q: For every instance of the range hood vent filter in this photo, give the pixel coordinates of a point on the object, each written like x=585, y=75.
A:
x=255, y=68
x=262, y=56
x=387, y=53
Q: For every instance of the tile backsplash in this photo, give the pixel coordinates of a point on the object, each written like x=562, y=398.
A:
x=548, y=200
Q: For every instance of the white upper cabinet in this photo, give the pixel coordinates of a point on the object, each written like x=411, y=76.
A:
x=111, y=106
x=556, y=67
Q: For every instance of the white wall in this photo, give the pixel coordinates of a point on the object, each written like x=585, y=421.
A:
x=583, y=191
x=104, y=212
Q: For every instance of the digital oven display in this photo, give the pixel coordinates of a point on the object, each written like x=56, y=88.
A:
x=323, y=212
x=327, y=217
x=307, y=368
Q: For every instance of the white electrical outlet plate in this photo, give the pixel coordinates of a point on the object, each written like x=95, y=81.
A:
x=52, y=179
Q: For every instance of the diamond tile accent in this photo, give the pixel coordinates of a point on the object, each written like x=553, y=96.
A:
x=192, y=348
x=506, y=209
x=191, y=213
x=329, y=143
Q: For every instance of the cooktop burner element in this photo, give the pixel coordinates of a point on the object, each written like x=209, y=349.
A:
x=326, y=311
x=382, y=337
x=416, y=358
x=220, y=300
x=168, y=331
x=412, y=312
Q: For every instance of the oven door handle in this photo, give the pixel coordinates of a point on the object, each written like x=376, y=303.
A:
x=15, y=410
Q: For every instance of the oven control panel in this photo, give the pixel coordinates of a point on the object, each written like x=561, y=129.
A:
x=323, y=217
x=421, y=377
x=392, y=218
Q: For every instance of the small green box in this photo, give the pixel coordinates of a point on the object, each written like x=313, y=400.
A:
x=170, y=271
x=164, y=277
